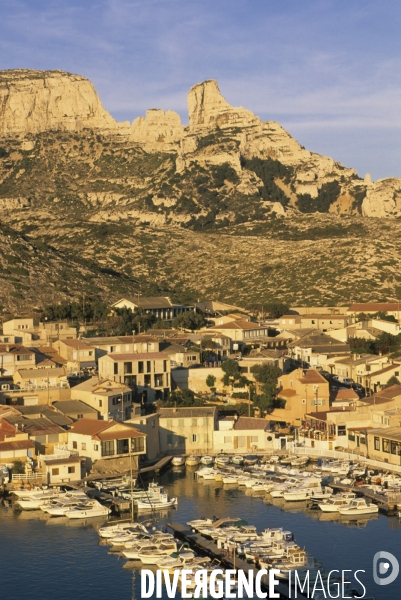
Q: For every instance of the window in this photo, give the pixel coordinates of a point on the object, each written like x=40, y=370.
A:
x=108, y=448
x=393, y=447
x=131, y=381
x=122, y=446
x=140, y=366
x=194, y=437
x=96, y=447
x=169, y=422
x=147, y=380
x=194, y=422
x=386, y=446
x=71, y=469
x=351, y=436
x=303, y=400
x=169, y=438
x=127, y=367
x=384, y=420
x=83, y=446
x=75, y=445
x=164, y=365
x=55, y=471
x=254, y=439
x=377, y=443
x=100, y=403
x=112, y=349
x=21, y=357
x=206, y=437
x=181, y=423
x=138, y=444
x=80, y=416
x=363, y=440
x=313, y=322
x=341, y=430
x=228, y=439
x=158, y=380
x=115, y=369
x=153, y=423
x=148, y=366
x=397, y=373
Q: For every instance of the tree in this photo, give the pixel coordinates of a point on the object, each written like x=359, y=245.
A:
x=128, y=321
x=392, y=381
x=18, y=467
x=277, y=309
x=232, y=372
x=266, y=376
x=189, y=320
x=182, y=398
x=210, y=381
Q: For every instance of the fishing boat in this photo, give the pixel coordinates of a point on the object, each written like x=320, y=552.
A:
x=178, y=461
x=93, y=508
x=251, y=459
x=192, y=461
x=207, y=460
x=222, y=460
x=58, y=509
x=359, y=506
x=237, y=460
x=156, y=503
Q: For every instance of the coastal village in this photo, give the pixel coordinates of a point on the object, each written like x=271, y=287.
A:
x=314, y=380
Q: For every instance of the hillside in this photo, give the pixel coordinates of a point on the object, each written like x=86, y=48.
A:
x=229, y=206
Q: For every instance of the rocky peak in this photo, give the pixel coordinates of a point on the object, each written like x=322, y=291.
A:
x=32, y=101
x=208, y=108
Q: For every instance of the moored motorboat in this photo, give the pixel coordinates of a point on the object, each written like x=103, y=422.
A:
x=192, y=461
x=178, y=461
x=207, y=460
x=359, y=506
x=222, y=460
x=156, y=503
x=251, y=459
x=93, y=508
x=237, y=460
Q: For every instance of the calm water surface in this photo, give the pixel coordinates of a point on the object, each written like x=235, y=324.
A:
x=56, y=559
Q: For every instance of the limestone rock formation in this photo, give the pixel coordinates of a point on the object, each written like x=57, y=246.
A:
x=159, y=131
x=35, y=101
x=383, y=199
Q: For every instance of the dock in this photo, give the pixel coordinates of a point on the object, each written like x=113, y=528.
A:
x=157, y=467
x=209, y=548
x=387, y=503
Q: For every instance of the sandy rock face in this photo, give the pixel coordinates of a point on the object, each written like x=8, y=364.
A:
x=159, y=131
x=383, y=199
x=35, y=101
x=208, y=108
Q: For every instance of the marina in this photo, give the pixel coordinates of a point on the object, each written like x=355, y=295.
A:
x=336, y=541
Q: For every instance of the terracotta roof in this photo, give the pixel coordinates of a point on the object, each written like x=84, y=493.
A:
x=14, y=349
x=346, y=394
x=78, y=344
x=90, y=426
x=137, y=356
x=287, y=392
x=391, y=392
x=6, y=430
x=22, y=445
x=129, y=432
x=238, y=325
x=374, y=306
x=244, y=423
x=182, y=413
x=312, y=376
x=62, y=461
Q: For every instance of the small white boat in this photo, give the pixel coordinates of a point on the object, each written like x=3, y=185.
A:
x=359, y=506
x=91, y=509
x=207, y=460
x=111, y=531
x=230, y=479
x=36, y=501
x=237, y=460
x=251, y=459
x=222, y=460
x=333, y=504
x=192, y=461
x=154, y=504
x=178, y=461
x=152, y=557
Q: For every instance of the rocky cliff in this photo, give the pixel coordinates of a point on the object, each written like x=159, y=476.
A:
x=93, y=206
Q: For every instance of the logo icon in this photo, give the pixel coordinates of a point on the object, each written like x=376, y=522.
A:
x=382, y=561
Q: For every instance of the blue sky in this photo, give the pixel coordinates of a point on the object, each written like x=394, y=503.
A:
x=328, y=71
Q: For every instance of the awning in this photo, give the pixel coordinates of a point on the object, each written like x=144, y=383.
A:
x=88, y=365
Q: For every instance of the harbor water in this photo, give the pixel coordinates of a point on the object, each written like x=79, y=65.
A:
x=46, y=558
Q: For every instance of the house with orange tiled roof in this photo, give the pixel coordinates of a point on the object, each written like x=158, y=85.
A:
x=79, y=356
x=302, y=390
x=107, y=444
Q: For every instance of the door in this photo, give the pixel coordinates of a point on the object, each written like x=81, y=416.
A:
x=330, y=445
x=283, y=443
